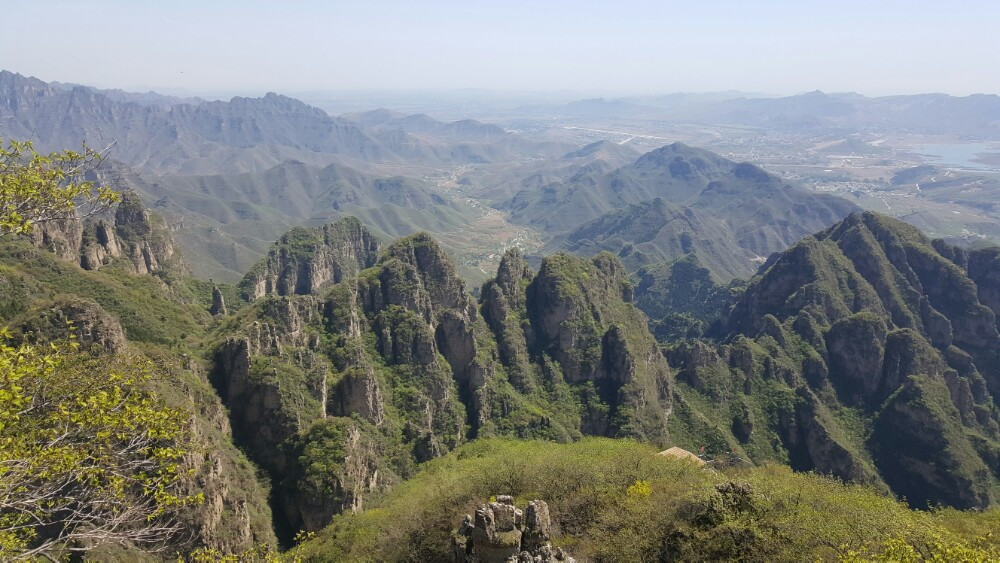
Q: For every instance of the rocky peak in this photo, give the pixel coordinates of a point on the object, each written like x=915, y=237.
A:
x=132, y=220
x=434, y=271
x=218, y=302
x=305, y=260
x=505, y=292
x=144, y=241
x=581, y=316
x=872, y=315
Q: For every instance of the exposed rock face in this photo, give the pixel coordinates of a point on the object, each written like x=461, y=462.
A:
x=63, y=237
x=579, y=316
x=920, y=449
x=418, y=307
x=218, y=303
x=145, y=243
x=856, y=347
x=504, y=307
x=358, y=392
x=305, y=260
x=499, y=532
x=335, y=465
x=403, y=354
x=813, y=446
x=234, y=517
x=984, y=269
x=136, y=238
x=100, y=245
x=268, y=389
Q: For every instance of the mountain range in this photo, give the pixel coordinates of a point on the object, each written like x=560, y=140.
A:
x=936, y=114
x=230, y=177
x=674, y=201
x=342, y=365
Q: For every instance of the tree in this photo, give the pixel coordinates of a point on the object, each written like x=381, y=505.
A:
x=88, y=455
x=36, y=188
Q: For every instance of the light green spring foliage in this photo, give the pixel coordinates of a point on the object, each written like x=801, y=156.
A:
x=35, y=188
x=616, y=500
x=87, y=455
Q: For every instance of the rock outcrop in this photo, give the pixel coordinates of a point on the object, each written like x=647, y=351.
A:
x=135, y=238
x=334, y=465
x=100, y=245
x=218, y=307
x=63, y=237
x=499, y=532
x=305, y=260
x=402, y=352
x=581, y=316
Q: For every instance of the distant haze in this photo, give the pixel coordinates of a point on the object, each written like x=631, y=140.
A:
x=623, y=47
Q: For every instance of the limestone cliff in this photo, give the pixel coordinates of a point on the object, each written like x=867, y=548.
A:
x=304, y=260
x=397, y=364
x=135, y=239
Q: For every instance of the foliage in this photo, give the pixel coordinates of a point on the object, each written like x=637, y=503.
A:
x=147, y=312
x=617, y=500
x=89, y=455
x=35, y=188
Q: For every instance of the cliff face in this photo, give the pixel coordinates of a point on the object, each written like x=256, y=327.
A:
x=135, y=239
x=396, y=364
x=304, y=260
x=889, y=350
x=581, y=315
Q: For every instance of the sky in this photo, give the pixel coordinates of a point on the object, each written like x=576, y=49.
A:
x=875, y=47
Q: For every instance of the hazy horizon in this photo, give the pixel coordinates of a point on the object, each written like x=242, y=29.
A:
x=587, y=48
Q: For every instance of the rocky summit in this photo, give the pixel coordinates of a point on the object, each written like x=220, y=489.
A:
x=882, y=348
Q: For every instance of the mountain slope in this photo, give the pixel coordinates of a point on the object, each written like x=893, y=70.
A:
x=865, y=352
x=120, y=305
x=884, y=352
x=243, y=134
x=674, y=201
x=656, y=231
x=225, y=223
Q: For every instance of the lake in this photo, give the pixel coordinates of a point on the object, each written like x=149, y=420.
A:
x=958, y=155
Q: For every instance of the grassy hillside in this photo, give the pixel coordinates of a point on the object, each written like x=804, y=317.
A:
x=617, y=500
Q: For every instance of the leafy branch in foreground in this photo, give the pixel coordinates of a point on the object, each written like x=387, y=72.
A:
x=36, y=188
x=88, y=456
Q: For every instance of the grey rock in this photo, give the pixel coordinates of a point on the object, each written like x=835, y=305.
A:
x=500, y=533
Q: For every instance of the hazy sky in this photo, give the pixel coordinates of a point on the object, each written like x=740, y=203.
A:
x=783, y=47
